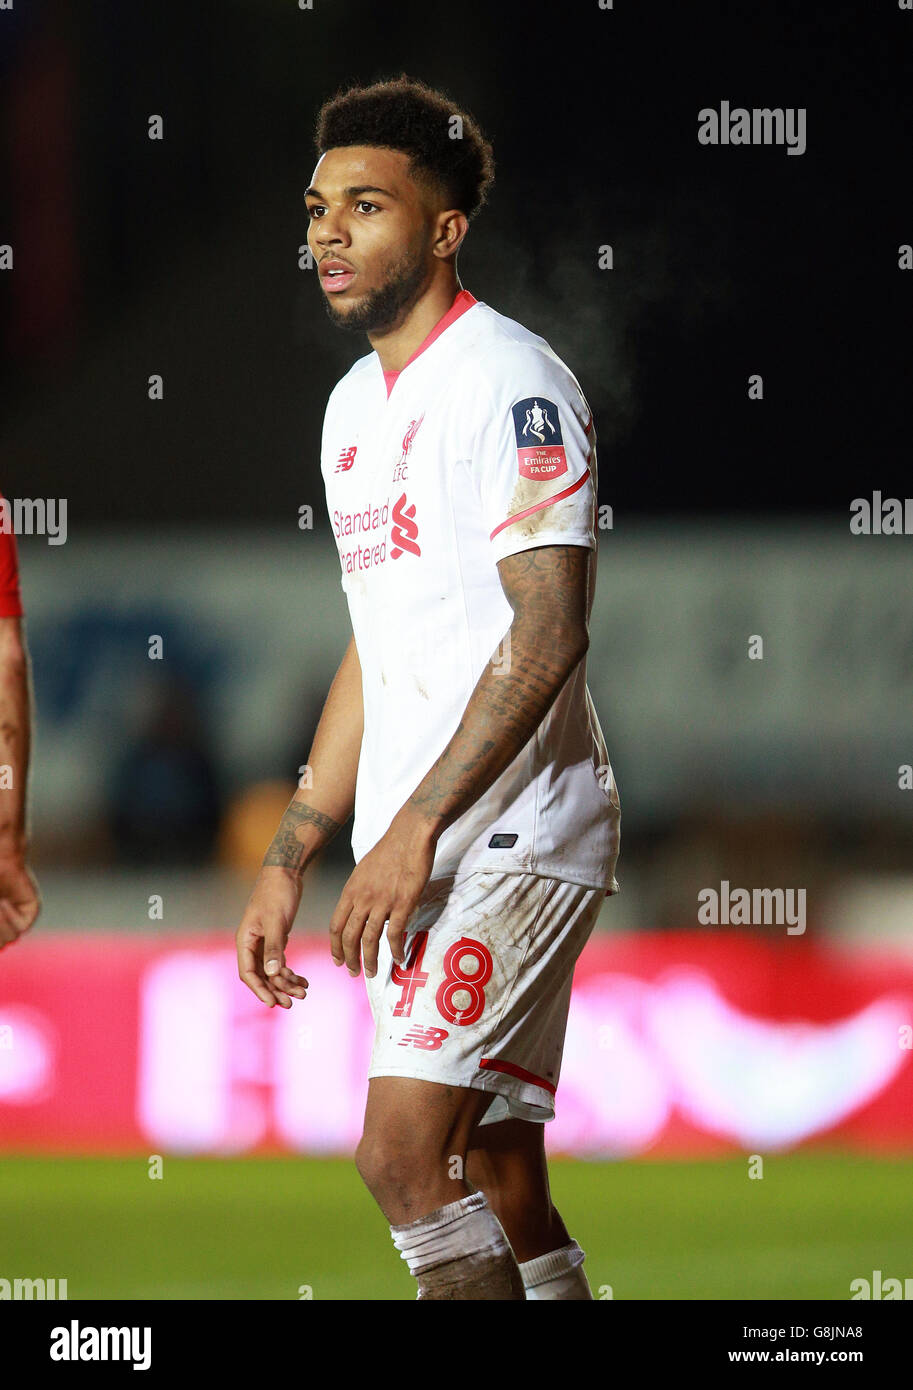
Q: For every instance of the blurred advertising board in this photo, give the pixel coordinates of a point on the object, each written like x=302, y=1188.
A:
x=776, y=663
x=690, y=1043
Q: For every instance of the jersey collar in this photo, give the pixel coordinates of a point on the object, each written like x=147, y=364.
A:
x=463, y=301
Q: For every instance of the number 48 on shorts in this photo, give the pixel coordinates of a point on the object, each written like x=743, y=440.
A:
x=460, y=997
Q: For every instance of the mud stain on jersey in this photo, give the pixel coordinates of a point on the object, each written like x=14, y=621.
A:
x=527, y=493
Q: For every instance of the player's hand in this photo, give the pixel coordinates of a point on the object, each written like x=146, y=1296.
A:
x=384, y=886
x=20, y=901
x=263, y=935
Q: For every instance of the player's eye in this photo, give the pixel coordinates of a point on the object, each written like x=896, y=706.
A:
x=316, y=210
x=363, y=203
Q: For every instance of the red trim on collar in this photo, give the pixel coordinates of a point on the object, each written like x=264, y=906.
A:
x=463, y=301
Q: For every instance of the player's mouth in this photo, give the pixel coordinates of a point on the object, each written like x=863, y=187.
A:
x=335, y=275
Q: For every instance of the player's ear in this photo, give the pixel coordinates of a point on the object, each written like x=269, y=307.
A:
x=452, y=227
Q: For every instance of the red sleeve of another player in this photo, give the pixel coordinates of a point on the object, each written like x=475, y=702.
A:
x=10, y=597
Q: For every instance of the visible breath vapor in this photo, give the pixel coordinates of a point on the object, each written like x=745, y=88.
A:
x=669, y=272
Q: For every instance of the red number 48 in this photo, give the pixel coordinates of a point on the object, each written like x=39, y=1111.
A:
x=457, y=978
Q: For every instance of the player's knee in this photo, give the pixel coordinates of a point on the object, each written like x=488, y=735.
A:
x=391, y=1166
x=367, y=1163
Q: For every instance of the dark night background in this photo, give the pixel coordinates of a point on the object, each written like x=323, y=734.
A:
x=180, y=256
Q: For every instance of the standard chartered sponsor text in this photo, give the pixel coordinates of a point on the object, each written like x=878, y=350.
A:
x=370, y=519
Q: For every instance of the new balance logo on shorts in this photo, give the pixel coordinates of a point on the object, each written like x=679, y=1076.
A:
x=429, y=1039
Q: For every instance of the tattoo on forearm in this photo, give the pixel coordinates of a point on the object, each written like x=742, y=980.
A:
x=548, y=589
x=286, y=850
x=503, y=714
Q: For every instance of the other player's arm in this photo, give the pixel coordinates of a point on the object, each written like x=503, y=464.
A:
x=548, y=589
x=312, y=819
x=20, y=902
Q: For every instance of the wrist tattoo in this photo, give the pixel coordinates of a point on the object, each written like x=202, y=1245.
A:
x=286, y=850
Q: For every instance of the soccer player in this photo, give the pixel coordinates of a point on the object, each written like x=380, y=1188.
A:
x=20, y=902
x=460, y=471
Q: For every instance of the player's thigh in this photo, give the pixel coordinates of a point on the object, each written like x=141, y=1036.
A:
x=428, y=1117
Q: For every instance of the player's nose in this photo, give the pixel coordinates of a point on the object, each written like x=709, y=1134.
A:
x=330, y=230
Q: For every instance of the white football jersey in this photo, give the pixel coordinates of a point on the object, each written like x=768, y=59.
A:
x=480, y=447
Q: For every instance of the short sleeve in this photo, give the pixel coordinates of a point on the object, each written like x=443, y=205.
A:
x=10, y=597
x=533, y=453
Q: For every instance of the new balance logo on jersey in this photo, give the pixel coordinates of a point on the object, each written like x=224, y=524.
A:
x=428, y=1039
x=540, y=447
x=346, y=458
x=404, y=531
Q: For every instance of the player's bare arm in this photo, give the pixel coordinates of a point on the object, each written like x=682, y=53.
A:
x=288, y=850
x=548, y=590
x=312, y=819
x=19, y=898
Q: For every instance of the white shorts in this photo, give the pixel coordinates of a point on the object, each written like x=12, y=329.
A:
x=482, y=1000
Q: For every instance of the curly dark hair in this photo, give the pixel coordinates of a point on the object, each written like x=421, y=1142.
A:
x=405, y=114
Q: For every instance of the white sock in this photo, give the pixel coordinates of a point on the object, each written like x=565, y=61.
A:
x=559, y=1274
x=459, y=1251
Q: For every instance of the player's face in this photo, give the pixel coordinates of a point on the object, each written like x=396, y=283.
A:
x=371, y=235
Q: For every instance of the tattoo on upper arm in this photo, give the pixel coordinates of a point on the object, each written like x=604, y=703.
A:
x=549, y=587
x=286, y=850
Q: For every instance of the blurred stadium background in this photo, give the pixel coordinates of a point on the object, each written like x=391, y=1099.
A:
x=693, y=1050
